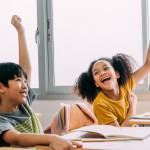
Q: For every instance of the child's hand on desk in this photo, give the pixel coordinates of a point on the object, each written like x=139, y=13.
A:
x=59, y=143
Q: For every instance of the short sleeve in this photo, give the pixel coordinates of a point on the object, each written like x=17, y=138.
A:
x=4, y=125
x=104, y=114
x=131, y=84
x=31, y=96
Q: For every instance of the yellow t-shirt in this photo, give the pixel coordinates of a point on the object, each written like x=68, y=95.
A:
x=107, y=110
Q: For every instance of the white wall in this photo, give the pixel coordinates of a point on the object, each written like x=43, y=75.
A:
x=49, y=107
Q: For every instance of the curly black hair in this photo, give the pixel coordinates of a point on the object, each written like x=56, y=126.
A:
x=85, y=85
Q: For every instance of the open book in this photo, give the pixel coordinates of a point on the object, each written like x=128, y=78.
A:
x=142, y=116
x=108, y=133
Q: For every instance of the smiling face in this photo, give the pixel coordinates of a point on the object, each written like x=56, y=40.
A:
x=17, y=91
x=104, y=75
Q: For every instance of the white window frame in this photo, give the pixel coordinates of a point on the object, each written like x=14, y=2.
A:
x=47, y=88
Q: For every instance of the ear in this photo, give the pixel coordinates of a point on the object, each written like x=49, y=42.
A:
x=1, y=88
x=96, y=85
x=117, y=74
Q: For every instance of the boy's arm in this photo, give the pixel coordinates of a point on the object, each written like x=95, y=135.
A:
x=29, y=140
x=24, y=59
x=144, y=70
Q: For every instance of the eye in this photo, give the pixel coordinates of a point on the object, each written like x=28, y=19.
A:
x=106, y=68
x=18, y=79
x=25, y=81
x=96, y=73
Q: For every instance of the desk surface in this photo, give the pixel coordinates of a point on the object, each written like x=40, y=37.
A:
x=111, y=145
x=37, y=148
x=139, y=121
x=10, y=148
x=49, y=148
x=119, y=145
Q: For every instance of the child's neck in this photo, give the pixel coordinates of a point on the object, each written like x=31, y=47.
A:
x=113, y=94
x=6, y=108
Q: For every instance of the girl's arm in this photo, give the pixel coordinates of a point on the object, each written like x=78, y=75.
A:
x=132, y=99
x=24, y=59
x=30, y=140
x=144, y=70
x=114, y=123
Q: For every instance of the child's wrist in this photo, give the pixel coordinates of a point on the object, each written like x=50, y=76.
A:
x=21, y=30
x=52, y=137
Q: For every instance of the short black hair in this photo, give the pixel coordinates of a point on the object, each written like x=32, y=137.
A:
x=9, y=70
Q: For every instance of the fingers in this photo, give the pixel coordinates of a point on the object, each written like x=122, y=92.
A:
x=18, y=18
x=131, y=97
x=134, y=97
x=76, y=143
x=16, y=22
x=15, y=18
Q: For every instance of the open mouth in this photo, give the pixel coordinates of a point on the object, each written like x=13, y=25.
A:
x=105, y=79
x=24, y=93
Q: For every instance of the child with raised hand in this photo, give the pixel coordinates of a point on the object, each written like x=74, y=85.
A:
x=19, y=125
x=108, y=85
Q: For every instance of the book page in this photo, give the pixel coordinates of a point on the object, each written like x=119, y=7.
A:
x=90, y=137
x=103, y=130
x=117, y=132
x=77, y=136
x=131, y=132
x=142, y=116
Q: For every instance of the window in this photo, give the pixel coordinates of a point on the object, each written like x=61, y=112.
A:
x=27, y=10
x=71, y=34
x=83, y=30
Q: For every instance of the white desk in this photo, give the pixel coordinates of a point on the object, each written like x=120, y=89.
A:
x=115, y=145
x=140, y=122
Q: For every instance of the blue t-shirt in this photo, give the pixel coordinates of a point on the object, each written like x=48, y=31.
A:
x=22, y=120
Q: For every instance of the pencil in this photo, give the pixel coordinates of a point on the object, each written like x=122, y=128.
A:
x=105, y=140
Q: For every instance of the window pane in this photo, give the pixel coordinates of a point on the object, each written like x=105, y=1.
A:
x=26, y=9
x=85, y=30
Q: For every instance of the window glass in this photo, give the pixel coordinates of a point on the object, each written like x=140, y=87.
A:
x=148, y=30
x=85, y=30
x=26, y=9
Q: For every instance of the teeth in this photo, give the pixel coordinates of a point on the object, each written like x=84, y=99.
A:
x=24, y=93
x=104, y=79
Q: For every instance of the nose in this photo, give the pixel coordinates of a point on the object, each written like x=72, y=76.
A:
x=102, y=73
x=24, y=85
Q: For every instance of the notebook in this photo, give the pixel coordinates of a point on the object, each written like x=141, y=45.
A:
x=108, y=133
x=142, y=116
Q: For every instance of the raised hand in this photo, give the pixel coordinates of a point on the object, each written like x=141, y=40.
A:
x=16, y=22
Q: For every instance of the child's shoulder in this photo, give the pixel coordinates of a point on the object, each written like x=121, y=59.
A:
x=130, y=84
x=31, y=95
x=101, y=99
x=2, y=117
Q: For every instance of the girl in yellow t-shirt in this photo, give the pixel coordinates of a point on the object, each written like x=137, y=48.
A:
x=108, y=84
